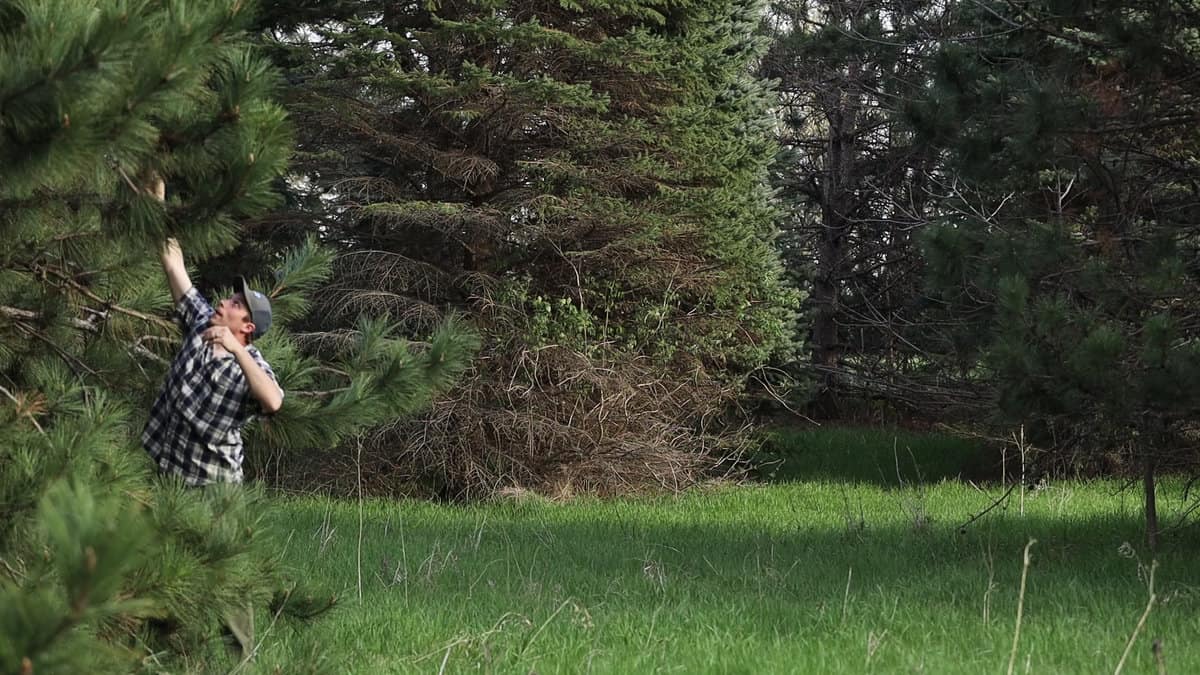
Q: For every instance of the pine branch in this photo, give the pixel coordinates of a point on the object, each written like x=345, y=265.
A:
x=1041, y=27
x=19, y=408
x=87, y=293
x=27, y=315
x=141, y=349
x=14, y=574
x=320, y=394
x=74, y=362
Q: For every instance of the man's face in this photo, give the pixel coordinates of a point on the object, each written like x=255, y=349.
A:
x=234, y=315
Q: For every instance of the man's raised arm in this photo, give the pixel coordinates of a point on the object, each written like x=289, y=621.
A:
x=173, y=267
x=171, y=255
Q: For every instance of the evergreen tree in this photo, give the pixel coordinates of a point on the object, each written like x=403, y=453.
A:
x=100, y=563
x=856, y=182
x=586, y=181
x=1069, y=240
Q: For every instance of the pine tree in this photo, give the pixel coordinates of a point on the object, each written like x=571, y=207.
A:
x=855, y=180
x=1069, y=236
x=101, y=564
x=587, y=182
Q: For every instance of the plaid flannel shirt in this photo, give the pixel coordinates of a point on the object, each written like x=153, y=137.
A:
x=195, y=425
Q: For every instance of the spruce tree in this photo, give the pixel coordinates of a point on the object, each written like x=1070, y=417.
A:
x=102, y=564
x=1069, y=240
x=587, y=182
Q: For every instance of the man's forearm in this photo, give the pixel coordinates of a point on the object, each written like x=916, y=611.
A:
x=262, y=387
x=175, y=270
x=170, y=253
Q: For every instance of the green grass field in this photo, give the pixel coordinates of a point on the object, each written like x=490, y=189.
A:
x=815, y=575
x=888, y=457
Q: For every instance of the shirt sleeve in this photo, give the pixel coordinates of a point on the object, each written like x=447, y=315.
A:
x=229, y=384
x=193, y=310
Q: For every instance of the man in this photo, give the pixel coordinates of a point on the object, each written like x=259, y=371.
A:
x=216, y=383
x=214, y=386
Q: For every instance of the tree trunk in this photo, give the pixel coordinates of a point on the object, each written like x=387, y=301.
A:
x=836, y=202
x=1150, y=504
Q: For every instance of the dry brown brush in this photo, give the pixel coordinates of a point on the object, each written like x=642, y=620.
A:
x=554, y=419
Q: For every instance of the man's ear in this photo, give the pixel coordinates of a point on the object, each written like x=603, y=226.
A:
x=248, y=329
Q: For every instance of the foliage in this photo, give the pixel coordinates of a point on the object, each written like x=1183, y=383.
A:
x=585, y=178
x=855, y=182
x=1070, y=238
x=103, y=565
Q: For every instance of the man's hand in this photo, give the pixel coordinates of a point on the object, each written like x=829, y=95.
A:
x=262, y=387
x=171, y=254
x=220, y=335
x=155, y=186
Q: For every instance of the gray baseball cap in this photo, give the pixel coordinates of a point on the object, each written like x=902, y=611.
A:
x=258, y=304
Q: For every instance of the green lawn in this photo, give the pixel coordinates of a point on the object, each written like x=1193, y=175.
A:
x=816, y=576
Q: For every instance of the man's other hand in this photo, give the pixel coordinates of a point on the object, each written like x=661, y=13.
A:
x=221, y=335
